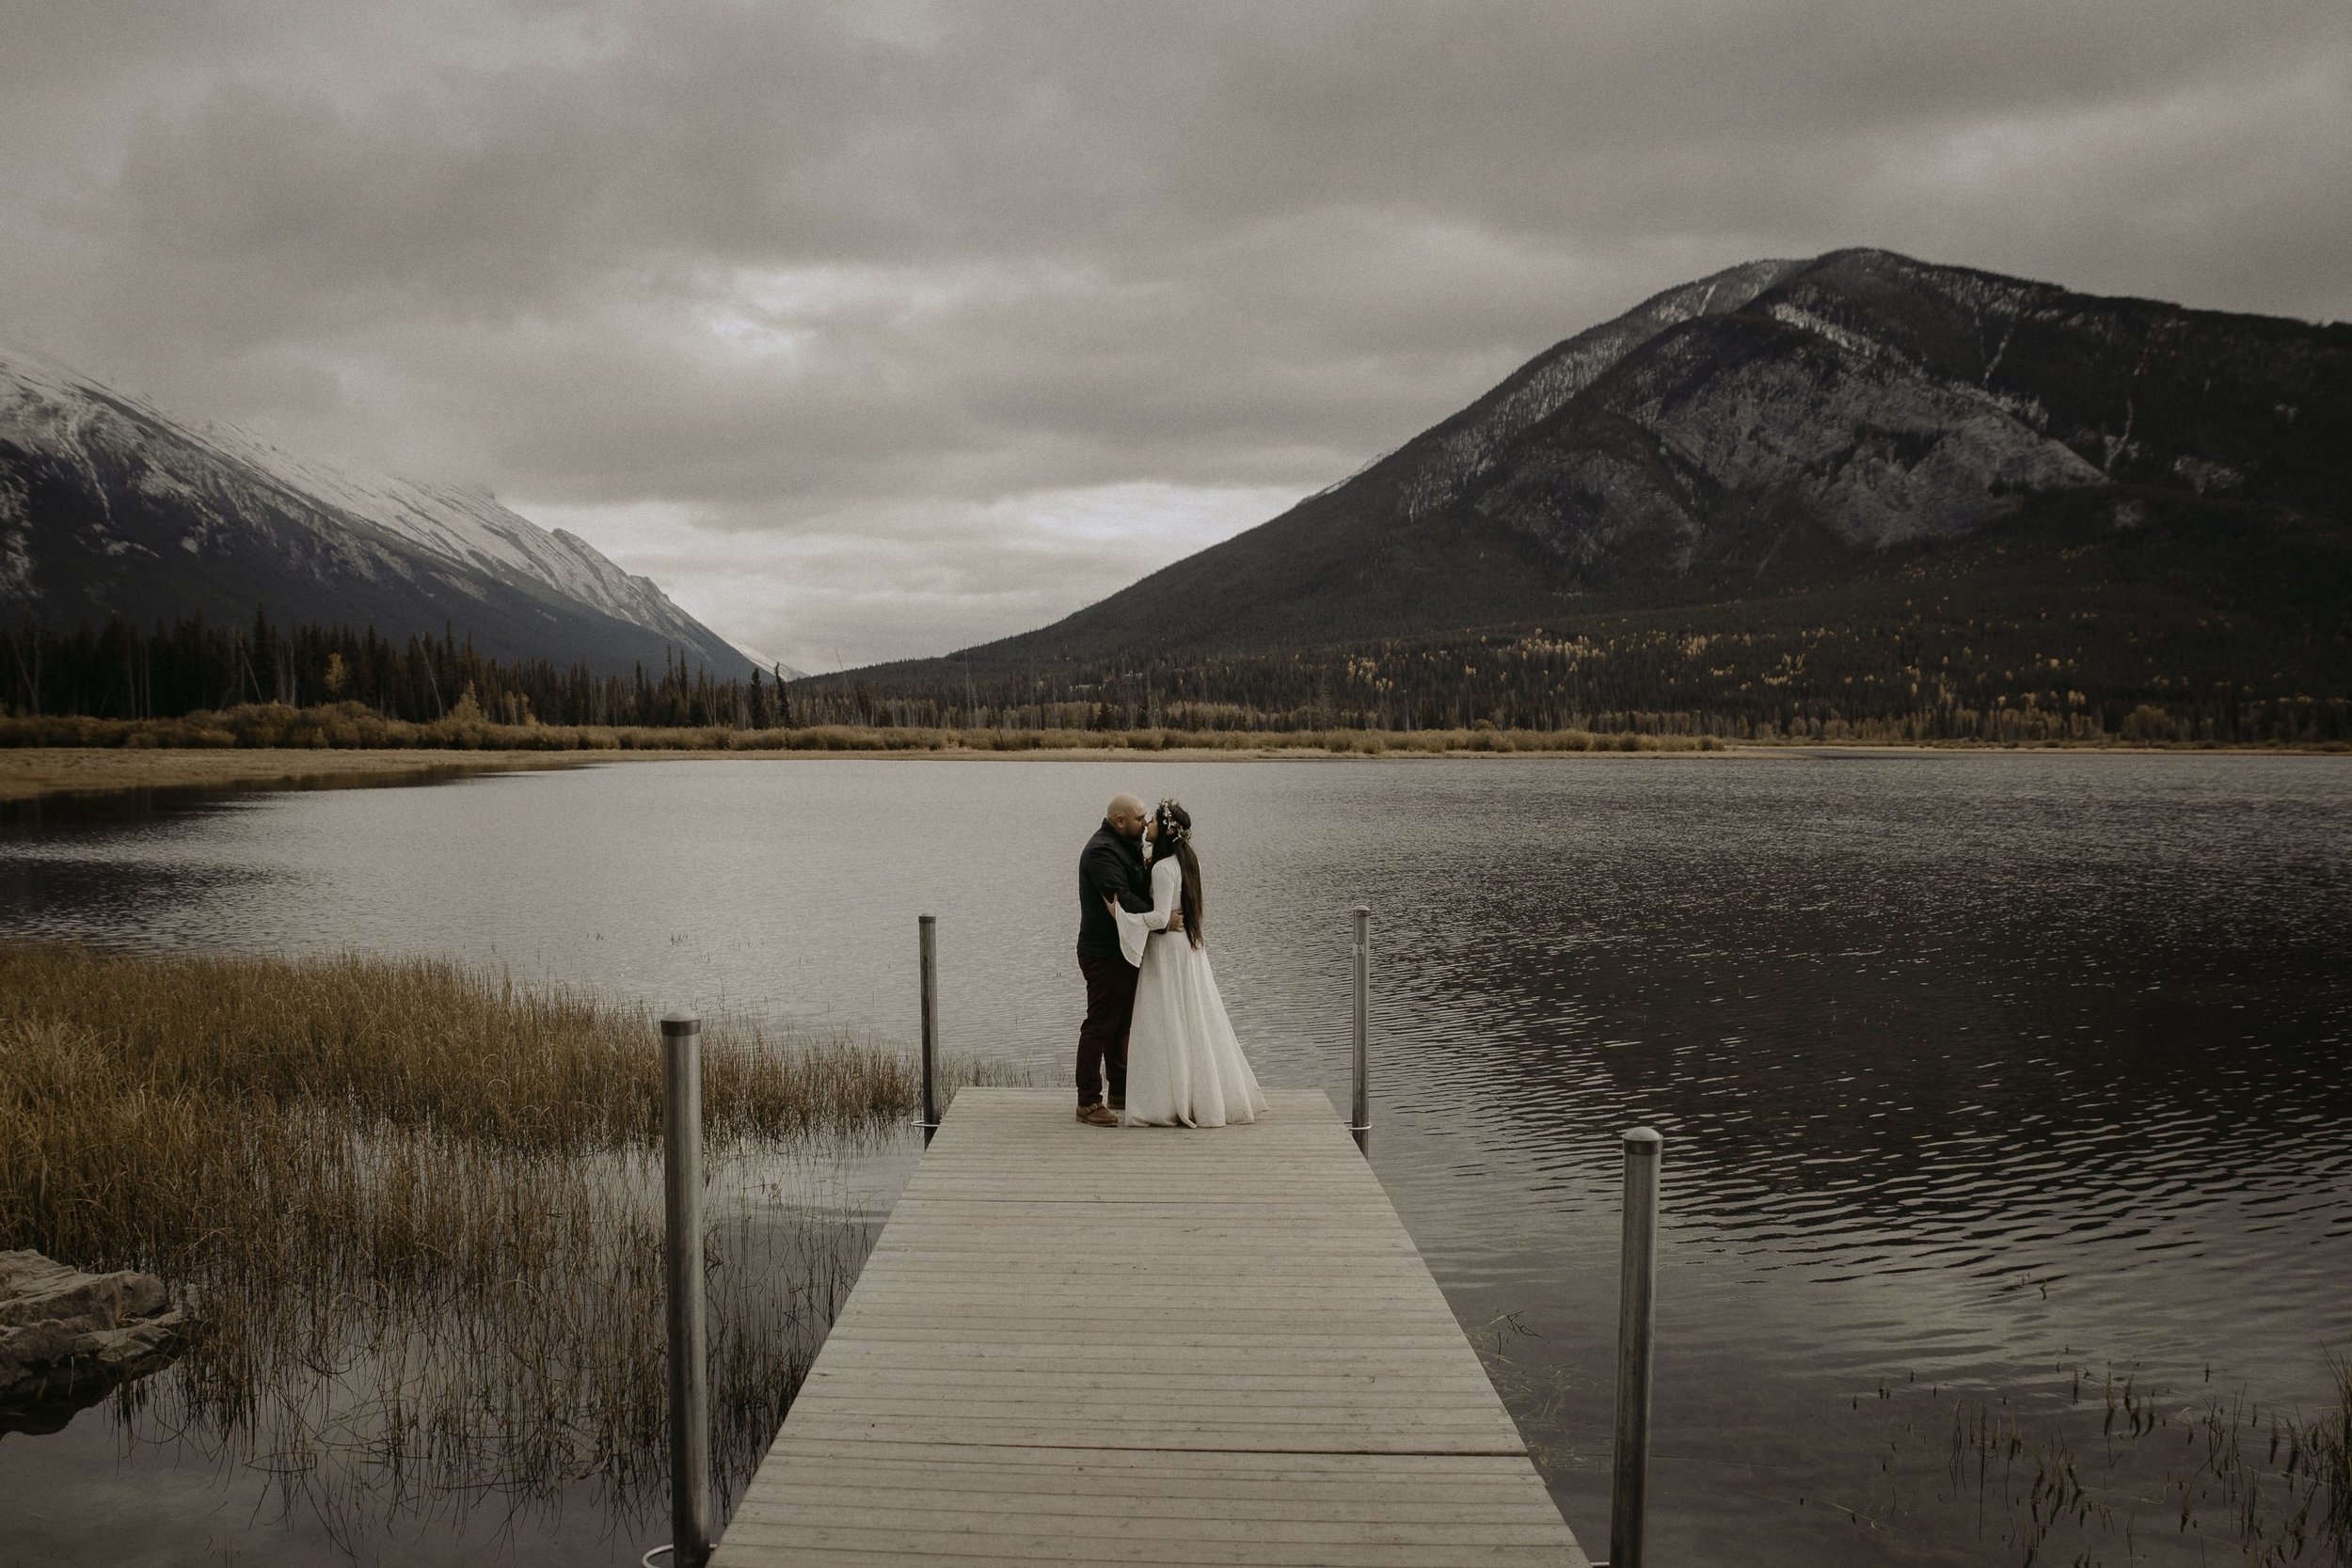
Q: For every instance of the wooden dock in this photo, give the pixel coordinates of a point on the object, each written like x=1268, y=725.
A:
x=1146, y=1345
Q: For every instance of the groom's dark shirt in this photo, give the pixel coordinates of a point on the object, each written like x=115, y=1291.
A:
x=1110, y=866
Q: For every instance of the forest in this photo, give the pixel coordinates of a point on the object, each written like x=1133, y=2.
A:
x=122, y=670
x=1928, y=676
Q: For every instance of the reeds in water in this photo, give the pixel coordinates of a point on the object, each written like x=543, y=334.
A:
x=2165, y=1477
x=2112, y=1468
x=417, y=1210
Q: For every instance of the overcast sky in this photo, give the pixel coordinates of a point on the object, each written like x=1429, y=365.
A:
x=874, y=330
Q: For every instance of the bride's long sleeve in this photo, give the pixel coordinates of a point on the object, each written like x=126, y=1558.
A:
x=1134, y=931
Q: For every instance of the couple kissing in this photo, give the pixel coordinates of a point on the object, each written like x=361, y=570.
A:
x=1156, y=1032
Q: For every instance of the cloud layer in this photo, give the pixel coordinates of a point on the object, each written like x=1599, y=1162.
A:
x=872, y=330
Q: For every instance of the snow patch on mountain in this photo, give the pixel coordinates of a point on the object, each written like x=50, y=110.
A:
x=47, y=407
x=1465, y=447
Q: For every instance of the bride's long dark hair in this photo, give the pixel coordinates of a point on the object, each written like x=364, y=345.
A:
x=1172, y=835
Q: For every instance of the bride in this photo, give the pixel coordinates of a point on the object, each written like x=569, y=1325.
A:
x=1184, y=1067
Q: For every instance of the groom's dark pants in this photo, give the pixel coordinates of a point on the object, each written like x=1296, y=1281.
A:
x=1102, y=1037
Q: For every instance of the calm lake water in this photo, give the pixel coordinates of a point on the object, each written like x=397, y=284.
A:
x=1976, y=1071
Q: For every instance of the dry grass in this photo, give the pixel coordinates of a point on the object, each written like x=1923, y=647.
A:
x=351, y=726
x=419, y=1044
x=29, y=771
x=312, y=747
x=417, y=1211
x=42, y=755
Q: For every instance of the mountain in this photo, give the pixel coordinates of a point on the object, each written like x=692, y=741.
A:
x=109, y=506
x=1781, y=442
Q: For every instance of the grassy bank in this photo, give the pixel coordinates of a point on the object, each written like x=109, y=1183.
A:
x=417, y=1210
x=352, y=726
x=28, y=773
x=270, y=744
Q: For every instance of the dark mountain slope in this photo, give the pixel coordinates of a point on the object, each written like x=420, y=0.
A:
x=1781, y=431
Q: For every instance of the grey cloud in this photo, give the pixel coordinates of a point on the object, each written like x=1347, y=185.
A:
x=811, y=275
x=874, y=582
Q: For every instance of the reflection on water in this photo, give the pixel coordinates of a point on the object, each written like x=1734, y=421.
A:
x=1969, y=1066
x=362, y=1412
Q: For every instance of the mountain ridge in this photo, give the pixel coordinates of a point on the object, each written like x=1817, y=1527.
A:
x=1860, y=426
x=1664, y=432
x=110, y=505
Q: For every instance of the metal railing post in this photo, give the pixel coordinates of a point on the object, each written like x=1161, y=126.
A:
x=930, y=925
x=682, y=1232
x=1637, y=1323
x=1360, y=1115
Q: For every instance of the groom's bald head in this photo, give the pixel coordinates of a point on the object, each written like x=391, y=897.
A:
x=1125, y=815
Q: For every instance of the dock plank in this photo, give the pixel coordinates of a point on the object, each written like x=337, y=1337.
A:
x=1077, y=1345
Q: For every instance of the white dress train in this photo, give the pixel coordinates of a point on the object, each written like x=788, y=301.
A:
x=1184, y=1066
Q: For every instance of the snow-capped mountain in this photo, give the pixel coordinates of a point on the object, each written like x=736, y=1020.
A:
x=110, y=506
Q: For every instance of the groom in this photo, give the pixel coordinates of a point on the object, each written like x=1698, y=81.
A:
x=1110, y=867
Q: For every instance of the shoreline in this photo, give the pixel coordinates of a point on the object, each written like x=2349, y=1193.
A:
x=33, y=773
x=43, y=772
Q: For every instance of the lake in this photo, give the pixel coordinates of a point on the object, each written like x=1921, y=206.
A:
x=1983, y=1076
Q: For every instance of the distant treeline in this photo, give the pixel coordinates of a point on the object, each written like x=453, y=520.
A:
x=1987, y=679
x=123, y=671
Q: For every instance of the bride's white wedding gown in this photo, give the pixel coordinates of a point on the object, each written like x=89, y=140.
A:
x=1184, y=1067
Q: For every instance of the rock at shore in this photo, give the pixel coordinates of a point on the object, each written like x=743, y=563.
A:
x=63, y=1331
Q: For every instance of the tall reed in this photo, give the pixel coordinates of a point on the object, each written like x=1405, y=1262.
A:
x=417, y=1210
x=2120, y=1469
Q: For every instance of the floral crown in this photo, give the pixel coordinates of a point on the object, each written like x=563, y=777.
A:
x=1175, y=822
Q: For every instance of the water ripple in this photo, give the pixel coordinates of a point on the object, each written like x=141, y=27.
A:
x=1965, y=1064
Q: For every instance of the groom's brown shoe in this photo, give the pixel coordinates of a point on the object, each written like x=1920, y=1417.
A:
x=1094, y=1116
